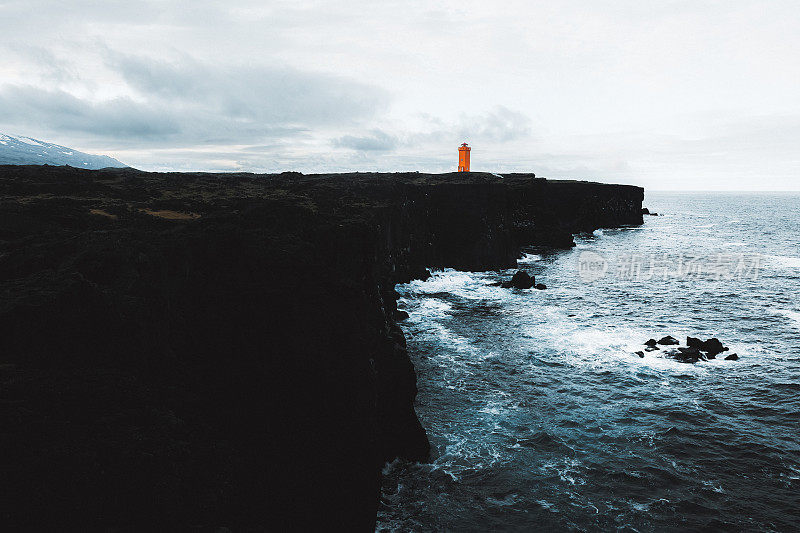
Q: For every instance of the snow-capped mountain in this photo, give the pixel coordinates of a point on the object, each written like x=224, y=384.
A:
x=18, y=150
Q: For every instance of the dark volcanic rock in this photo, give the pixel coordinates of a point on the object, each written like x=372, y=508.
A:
x=520, y=280
x=548, y=213
x=694, y=342
x=639, y=353
x=668, y=341
x=541, y=286
x=713, y=346
x=684, y=355
x=170, y=362
x=400, y=315
x=651, y=348
x=651, y=342
x=732, y=357
x=689, y=355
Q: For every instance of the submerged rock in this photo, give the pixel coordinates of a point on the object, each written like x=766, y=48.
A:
x=668, y=341
x=541, y=286
x=651, y=349
x=520, y=280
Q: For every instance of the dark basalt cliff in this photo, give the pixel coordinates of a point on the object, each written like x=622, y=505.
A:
x=195, y=350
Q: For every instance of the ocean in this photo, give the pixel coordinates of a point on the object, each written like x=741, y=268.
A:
x=542, y=417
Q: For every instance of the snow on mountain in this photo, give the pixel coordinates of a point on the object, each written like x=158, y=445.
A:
x=19, y=150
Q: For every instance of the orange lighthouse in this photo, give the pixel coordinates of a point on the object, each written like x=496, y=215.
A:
x=463, y=158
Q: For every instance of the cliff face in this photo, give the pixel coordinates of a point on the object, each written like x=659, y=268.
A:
x=548, y=213
x=220, y=350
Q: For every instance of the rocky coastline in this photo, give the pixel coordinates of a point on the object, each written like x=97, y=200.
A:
x=221, y=350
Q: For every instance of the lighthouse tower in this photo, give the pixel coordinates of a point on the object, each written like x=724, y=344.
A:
x=463, y=158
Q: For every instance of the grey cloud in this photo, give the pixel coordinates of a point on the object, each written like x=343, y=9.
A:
x=43, y=61
x=496, y=126
x=638, y=92
x=61, y=111
x=500, y=125
x=253, y=93
x=193, y=102
x=377, y=141
x=83, y=12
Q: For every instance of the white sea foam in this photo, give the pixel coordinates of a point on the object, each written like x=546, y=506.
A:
x=604, y=348
x=429, y=308
x=547, y=505
x=793, y=316
x=466, y=451
x=467, y=285
x=529, y=258
x=441, y=281
x=785, y=261
x=567, y=469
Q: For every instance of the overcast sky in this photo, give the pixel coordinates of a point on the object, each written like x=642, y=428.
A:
x=665, y=94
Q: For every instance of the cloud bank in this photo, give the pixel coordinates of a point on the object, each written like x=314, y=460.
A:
x=673, y=95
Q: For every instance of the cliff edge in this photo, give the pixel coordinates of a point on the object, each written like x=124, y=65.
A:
x=199, y=350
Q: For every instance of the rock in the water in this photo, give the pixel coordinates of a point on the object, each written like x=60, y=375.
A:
x=668, y=340
x=520, y=280
x=400, y=315
x=691, y=352
x=694, y=342
x=713, y=346
x=541, y=286
x=686, y=355
x=639, y=353
x=732, y=357
x=651, y=349
x=651, y=342
x=645, y=211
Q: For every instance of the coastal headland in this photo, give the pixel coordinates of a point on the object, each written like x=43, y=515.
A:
x=221, y=350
